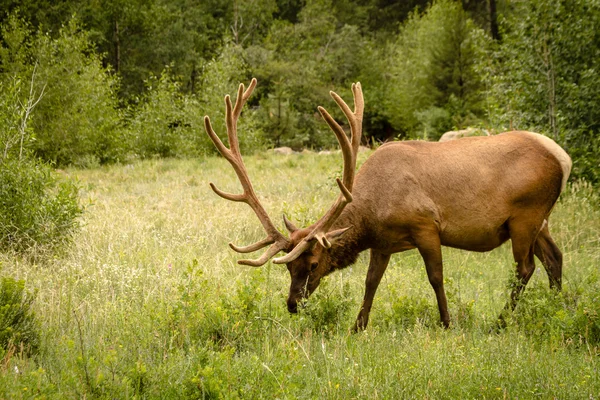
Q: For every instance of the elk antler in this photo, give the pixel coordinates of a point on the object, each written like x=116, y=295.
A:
x=274, y=238
x=349, y=152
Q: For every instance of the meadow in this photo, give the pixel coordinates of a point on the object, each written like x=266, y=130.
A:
x=148, y=301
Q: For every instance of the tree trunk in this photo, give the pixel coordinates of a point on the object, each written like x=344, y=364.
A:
x=193, y=78
x=494, y=22
x=117, y=48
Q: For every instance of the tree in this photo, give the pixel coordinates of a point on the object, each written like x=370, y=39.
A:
x=77, y=121
x=38, y=210
x=546, y=77
x=435, y=83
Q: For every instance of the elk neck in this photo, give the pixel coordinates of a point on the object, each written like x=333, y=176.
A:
x=345, y=250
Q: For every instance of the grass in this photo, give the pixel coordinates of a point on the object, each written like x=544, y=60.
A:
x=150, y=303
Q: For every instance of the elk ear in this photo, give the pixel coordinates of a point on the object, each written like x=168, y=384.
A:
x=290, y=227
x=333, y=236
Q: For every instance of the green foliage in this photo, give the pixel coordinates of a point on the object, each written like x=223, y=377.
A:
x=77, y=120
x=584, y=151
x=222, y=76
x=426, y=66
x=435, y=85
x=297, y=66
x=14, y=135
x=407, y=312
x=38, y=210
x=18, y=323
x=166, y=122
x=328, y=309
x=563, y=317
x=208, y=381
x=545, y=78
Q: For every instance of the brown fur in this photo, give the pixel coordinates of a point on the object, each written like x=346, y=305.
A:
x=472, y=194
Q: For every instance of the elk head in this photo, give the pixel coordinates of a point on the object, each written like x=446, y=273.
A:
x=307, y=249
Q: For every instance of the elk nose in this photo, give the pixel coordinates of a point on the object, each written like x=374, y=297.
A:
x=292, y=306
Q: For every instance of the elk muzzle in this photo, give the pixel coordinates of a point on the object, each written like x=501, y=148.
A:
x=296, y=296
x=292, y=305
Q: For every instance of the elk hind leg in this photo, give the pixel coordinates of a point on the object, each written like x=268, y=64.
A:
x=430, y=248
x=548, y=253
x=523, y=237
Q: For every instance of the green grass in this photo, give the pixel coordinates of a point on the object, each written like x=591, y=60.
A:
x=150, y=303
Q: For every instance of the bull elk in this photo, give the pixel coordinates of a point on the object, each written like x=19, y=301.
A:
x=472, y=194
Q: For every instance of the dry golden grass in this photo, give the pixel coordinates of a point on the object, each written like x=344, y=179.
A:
x=149, y=301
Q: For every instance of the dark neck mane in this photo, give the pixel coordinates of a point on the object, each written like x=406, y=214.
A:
x=346, y=249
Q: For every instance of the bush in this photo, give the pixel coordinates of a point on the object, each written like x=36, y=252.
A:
x=160, y=125
x=546, y=79
x=562, y=316
x=435, y=84
x=38, y=211
x=222, y=76
x=77, y=121
x=168, y=123
x=327, y=310
x=18, y=326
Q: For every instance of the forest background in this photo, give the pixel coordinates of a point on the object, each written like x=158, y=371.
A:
x=118, y=80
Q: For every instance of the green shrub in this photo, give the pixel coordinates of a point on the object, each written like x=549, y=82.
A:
x=585, y=153
x=327, y=309
x=77, y=120
x=222, y=76
x=18, y=326
x=208, y=381
x=166, y=123
x=551, y=84
x=562, y=316
x=38, y=211
x=406, y=312
x=435, y=84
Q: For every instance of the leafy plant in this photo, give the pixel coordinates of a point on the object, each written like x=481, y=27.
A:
x=18, y=324
x=164, y=124
x=38, y=210
x=566, y=316
x=435, y=82
x=77, y=121
x=328, y=309
x=546, y=79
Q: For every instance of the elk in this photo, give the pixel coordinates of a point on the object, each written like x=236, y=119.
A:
x=472, y=194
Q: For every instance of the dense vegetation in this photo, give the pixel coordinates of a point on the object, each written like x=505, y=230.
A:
x=127, y=79
x=150, y=303
x=147, y=301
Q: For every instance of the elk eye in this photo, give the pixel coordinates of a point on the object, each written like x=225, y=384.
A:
x=313, y=266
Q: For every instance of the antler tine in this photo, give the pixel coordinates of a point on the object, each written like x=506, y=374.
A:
x=232, y=154
x=345, y=145
x=271, y=251
x=349, y=151
x=359, y=108
x=232, y=116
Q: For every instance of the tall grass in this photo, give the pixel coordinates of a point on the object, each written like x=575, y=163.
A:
x=150, y=303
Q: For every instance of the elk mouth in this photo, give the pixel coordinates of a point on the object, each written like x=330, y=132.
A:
x=292, y=307
x=293, y=304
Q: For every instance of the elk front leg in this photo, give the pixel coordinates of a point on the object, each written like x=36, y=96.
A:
x=377, y=266
x=430, y=249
